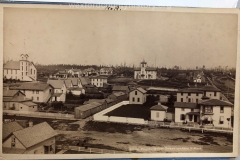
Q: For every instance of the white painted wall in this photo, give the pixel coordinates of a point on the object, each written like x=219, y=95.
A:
x=154, y=113
x=185, y=96
x=142, y=97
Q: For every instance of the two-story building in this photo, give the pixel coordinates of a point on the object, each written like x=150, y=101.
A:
x=98, y=81
x=36, y=139
x=22, y=70
x=59, y=90
x=137, y=96
x=216, y=112
x=16, y=100
x=38, y=92
x=145, y=72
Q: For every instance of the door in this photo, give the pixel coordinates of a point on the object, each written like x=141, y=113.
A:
x=195, y=118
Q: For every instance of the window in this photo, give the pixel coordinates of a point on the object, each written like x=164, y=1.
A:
x=196, y=100
x=11, y=71
x=37, y=92
x=37, y=98
x=26, y=73
x=31, y=71
x=181, y=94
x=181, y=99
x=208, y=109
x=192, y=110
x=26, y=68
x=221, y=120
x=204, y=93
x=22, y=68
x=182, y=117
x=133, y=99
x=138, y=99
x=13, y=141
x=182, y=109
x=20, y=107
x=196, y=94
x=157, y=114
x=215, y=94
x=135, y=92
x=32, y=98
x=7, y=71
x=50, y=90
x=190, y=117
x=189, y=99
x=33, y=91
x=189, y=94
x=221, y=109
x=210, y=95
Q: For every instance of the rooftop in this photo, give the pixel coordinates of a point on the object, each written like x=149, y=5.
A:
x=12, y=65
x=209, y=88
x=33, y=86
x=56, y=83
x=29, y=103
x=118, y=94
x=215, y=102
x=88, y=106
x=9, y=128
x=185, y=105
x=33, y=135
x=159, y=107
x=120, y=88
x=10, y=93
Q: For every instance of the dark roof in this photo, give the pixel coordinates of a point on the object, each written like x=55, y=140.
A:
x=8, y=150
x=84, y=80
x=132, y=83
x=185, y=105
x=205, y=97
x=99, y=77
x=159, y=107
x=9, y=128
x=33, y=86
x=12, y=65
x=190, y=90
x=215, y=102
x=68, y=82
x=36, y=134
x=209, y=88
x=147, y=69
x=120, y=88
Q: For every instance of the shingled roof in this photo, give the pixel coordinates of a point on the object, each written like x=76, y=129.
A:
x=209, y=88
x=36, y=134
x=33, y=86
x=12, y=65
x=185, y=105
x=9, y=128
x=159, y=107
x=56, y=83
x=215, y=102
x=10, y=93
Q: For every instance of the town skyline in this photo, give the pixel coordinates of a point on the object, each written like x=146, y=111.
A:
x=166, y=39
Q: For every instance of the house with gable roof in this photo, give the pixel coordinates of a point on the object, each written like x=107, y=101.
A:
x=38, y=92
x=59, y=90
x=159, y=112
x=23, y=70
x=16, y=100
x=36, y=139
x=138, y=96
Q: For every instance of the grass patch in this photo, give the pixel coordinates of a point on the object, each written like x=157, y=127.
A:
x=107, y=127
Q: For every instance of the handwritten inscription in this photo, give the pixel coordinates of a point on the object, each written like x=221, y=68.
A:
x=116, y=8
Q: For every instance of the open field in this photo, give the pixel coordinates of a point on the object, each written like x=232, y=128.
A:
x=151, y=139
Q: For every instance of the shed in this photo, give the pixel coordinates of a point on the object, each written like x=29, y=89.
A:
x=87, y=110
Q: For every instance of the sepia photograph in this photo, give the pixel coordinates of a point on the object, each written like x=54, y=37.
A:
x=111, y=80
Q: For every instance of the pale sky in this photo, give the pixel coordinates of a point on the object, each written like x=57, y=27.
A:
x=107, y=37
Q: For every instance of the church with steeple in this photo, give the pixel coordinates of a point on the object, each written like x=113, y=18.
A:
x=145, y=72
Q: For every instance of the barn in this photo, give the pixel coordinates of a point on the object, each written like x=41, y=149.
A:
x=87, y=110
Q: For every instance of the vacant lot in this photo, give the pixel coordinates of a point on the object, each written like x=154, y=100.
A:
x=130, y=137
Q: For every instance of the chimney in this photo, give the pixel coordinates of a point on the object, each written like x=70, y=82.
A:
x=30, y=123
